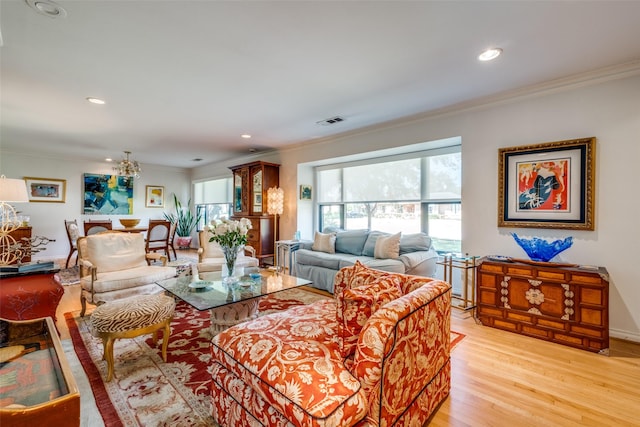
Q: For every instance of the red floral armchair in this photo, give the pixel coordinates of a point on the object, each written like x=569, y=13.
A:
x=376, y=355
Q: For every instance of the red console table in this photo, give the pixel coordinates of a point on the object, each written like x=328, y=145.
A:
x=25, y=296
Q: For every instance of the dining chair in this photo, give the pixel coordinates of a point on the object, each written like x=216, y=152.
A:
x=172, y=237
x=93, y=227
x=73, y=232
x=158, y=236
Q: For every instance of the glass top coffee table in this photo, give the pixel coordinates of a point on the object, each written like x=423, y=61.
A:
x=229, y=304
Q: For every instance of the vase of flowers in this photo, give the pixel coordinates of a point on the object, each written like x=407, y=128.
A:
x=231, y=235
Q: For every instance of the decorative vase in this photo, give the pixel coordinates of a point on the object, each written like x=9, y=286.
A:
x=541, y=250
x=230, y=257
x=183, y=242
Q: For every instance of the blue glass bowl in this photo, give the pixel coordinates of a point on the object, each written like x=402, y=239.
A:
x=540, y=250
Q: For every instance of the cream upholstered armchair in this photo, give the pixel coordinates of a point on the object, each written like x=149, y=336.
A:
x=113, y=265
x=211, y=257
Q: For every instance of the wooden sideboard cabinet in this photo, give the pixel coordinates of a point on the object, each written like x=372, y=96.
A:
x=566, y=305
x=250, y=184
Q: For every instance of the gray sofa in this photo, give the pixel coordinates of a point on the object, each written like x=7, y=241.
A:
x=416, y=256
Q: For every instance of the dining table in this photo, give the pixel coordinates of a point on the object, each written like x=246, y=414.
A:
x=131, y=229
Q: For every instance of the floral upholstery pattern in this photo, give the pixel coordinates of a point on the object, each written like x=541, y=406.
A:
x=281, y=355
x=418, y=328
x=356, y=305
x=287, y=368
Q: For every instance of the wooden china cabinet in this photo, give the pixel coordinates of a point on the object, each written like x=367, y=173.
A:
x=250, y=184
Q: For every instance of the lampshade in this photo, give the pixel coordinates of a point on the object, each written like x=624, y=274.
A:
x=275, y=201
x=13, y=190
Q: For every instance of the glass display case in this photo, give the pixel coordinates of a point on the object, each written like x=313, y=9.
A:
x=250, y=184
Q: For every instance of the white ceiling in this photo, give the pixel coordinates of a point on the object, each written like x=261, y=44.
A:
x=184, y=79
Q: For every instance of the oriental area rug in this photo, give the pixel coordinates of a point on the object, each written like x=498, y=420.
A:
x=145, y=391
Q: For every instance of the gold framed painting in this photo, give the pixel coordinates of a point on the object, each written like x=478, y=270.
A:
x=549, y=185
x=154, y=196
x=49, y=190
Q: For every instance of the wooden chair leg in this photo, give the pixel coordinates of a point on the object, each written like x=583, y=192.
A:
x=69, y=257
x=165, y=338
x=83, y=303
x=108, y=356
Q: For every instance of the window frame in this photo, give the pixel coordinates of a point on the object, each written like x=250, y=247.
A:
x=424, y=201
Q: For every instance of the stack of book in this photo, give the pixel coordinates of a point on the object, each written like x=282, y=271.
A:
x=27, y=267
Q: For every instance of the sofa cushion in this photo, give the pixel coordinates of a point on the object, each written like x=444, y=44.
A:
x=414, y=243
x=213, y=250
x=385, y=264
x=357, y=304
x=324, y=242
x=370, y=244
x=281, y=355
x=129, y=278
x=387, y=246
x=351, y=241
x=318, y=259
x=116, y=251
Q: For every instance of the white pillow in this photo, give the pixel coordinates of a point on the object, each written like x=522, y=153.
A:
x=324, y=242
x=387, y=246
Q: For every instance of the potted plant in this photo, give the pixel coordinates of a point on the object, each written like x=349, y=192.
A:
x=184, y=220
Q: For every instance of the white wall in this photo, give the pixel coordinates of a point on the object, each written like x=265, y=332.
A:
x=47, y=219
x=608, y=110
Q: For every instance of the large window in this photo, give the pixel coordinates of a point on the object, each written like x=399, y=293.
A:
x=213, y=200
x=408, y=193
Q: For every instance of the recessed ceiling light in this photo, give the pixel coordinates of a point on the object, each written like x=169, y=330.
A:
x=47, y=8
x=108, y=159
x=96, y=100
x=490, y=54
x=245, y=136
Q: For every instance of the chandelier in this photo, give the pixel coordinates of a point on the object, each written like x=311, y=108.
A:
x=128, y=167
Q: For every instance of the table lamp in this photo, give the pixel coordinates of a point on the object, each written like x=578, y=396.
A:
x=11, y=191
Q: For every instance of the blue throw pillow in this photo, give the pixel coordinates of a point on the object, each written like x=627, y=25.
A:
x=414, y=242
x=351, y=241
x=370, y=244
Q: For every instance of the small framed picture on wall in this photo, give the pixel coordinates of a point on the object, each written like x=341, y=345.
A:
x=305, y=192
x=154, y=196
x=46, y=189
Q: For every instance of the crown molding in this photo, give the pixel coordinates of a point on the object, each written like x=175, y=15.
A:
x=563, y=84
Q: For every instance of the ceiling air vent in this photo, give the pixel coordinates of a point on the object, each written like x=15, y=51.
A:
x=330, y=121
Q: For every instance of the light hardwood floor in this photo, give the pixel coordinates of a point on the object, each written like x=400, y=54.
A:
x=503, y=379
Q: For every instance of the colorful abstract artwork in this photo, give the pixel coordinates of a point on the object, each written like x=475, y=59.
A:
x=543, y=186
x=108, y=194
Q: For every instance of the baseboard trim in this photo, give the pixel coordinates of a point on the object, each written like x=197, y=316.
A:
x=624, y=335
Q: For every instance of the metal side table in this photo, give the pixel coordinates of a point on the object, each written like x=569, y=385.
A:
x=286, y=250
x=466, y=299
